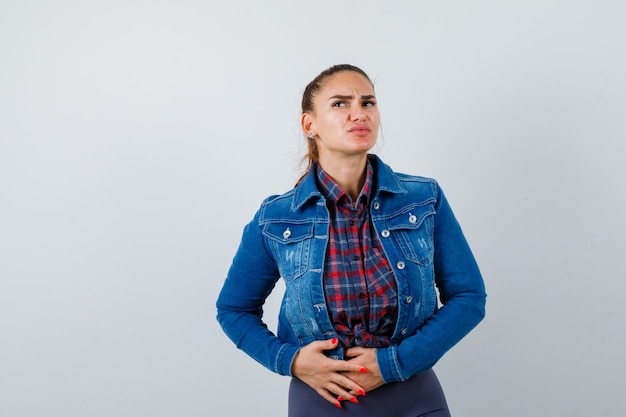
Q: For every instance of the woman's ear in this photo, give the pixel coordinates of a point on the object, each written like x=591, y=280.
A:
x=307, y=124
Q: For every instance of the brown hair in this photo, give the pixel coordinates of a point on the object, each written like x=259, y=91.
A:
x=309, y=94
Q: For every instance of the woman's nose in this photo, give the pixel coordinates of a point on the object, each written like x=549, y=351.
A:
x=358, y=114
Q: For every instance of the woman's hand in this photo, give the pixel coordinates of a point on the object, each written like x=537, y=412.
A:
x=365, y=357
x=329, y=377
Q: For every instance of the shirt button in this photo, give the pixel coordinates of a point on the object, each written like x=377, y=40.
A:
x=376, y=205
x=409, y=299
x=385, y=233
x=400, y=265
x=412, y=219
x=286, y=234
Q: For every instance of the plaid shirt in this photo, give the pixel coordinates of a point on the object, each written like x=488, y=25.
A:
x=360, y=289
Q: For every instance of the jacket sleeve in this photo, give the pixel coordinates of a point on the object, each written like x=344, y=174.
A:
x=251, y=278
x=462, y=294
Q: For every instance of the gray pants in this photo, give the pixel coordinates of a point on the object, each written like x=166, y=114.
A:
x=419, y=396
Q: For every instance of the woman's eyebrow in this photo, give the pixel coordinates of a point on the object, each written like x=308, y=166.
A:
x=342, y=97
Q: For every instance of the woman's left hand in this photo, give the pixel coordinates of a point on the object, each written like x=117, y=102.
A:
x=367, y=358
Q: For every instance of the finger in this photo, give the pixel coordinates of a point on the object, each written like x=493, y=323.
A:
x=332, y=343
x=347, y=366
x=355, y=351
x=343, y=391
x=347, y=389
x=322, y=345
x=330, y=398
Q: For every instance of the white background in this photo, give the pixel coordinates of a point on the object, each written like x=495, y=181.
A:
x=138, y=137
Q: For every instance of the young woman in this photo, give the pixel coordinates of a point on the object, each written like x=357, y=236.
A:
x=362, y=250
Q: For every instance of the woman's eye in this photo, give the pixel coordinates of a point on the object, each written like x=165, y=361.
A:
x=339, y=104
x=369, y=103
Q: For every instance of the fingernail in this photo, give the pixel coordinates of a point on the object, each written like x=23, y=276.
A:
x=338, y=404
x=363, y=370
x=339, y=398
x=334, y=340
x=354, y=400
x=361, y=392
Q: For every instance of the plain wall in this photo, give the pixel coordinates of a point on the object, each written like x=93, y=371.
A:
x=137, y=138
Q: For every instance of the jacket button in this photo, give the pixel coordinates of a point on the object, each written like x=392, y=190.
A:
x=403, y=331
x=385, y=233
x=376, y=205
x=400, y=265
x=286, y=234
x=412, y=219
x=409, y=299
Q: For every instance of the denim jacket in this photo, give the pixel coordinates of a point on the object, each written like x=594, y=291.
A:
x=422, y=241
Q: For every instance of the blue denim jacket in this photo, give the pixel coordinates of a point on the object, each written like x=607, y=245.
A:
x=422, y=240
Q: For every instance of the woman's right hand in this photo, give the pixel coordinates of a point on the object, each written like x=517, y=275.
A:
x=326, y=375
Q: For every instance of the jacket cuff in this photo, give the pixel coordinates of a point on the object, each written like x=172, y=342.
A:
x=284, y=360
x=388, y=364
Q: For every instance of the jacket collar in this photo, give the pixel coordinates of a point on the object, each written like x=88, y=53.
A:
x=385, y=181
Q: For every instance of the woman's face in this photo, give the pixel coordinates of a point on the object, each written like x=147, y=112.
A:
x=346, y=119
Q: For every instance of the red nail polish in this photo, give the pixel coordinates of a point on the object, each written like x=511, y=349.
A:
x=339, y=398
x=354, y=400
x=338, y=404
x=361, y=392
x=334, y=340
x=363, y=370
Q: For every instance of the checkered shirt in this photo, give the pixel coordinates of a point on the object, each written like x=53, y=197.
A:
x=360, y=289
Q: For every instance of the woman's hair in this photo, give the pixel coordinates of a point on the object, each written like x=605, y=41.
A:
x=309, y=94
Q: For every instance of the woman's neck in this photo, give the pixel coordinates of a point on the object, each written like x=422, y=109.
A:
x=348, y=173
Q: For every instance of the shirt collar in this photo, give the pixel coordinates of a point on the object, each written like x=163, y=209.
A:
x=333, y=192
x=385, y=179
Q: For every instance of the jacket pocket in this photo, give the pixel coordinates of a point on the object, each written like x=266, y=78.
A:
x=413, y=232
x=290, y=244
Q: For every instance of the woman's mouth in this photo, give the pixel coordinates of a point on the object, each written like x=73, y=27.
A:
x=360, y=130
